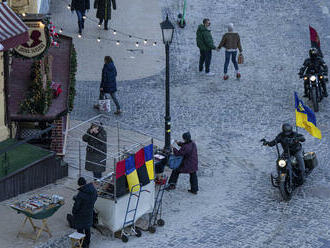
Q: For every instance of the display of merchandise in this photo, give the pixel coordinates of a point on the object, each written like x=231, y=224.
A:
x=39, y=202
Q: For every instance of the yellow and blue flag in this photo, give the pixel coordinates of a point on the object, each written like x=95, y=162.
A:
x=305, y=118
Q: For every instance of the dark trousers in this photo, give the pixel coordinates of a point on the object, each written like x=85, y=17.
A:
x=87, y=232
x=97, y=174
x=105, y=23
x=81, y=20
x=193, y=179
x=205, y=57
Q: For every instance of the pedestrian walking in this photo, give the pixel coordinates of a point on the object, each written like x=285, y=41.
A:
x=82, y=210
x=231, y=41
x=96, y=150
x=109, y=84
x=205, y=44
x=103, y=12
x=189, y=163
x=81, y=7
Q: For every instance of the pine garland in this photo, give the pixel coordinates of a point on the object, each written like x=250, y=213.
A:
x=38, y=99
x=73, y=70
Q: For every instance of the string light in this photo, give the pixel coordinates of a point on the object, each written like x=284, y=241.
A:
x=137, y=44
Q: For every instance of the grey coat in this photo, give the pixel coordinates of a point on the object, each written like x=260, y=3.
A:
x=96, y=150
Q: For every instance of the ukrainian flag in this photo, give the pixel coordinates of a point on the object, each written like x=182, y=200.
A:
x=148, y=153
x=131, y=174
x=305, y=118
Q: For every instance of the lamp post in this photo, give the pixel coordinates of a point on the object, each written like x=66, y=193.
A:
x=167, y=33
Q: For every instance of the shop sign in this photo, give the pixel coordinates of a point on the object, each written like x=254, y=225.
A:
x=38, y=42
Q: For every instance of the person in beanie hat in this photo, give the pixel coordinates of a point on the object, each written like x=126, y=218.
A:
x=231, y=41
x=205, y=44
x=82, y=210
x=188, y=150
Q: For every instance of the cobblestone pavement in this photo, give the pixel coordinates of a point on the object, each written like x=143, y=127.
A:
x=237, y=206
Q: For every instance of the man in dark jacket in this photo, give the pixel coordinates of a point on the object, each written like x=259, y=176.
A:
x=314, y=64
x=80, y=6
x=189, y=163
x=82, y=210
x=104, y=11
x=290, y=141
x=205, y=44
x=96, y=150
x=109, y=83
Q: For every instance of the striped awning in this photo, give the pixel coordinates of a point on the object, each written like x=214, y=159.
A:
x=13, y=31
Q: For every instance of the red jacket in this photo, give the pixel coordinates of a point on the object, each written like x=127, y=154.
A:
x=190, y=157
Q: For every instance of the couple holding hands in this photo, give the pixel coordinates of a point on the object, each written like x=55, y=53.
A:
x=230, y=41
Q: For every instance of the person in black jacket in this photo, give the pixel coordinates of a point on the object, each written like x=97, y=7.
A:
x=314, y=64
x=290, y=141
x=96, y=150
x=109, y=84
x=83, y=207
x=80, y=6
x=104, y=11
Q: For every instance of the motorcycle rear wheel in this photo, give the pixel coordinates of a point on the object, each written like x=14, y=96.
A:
x=285, y=189
x=314, y=100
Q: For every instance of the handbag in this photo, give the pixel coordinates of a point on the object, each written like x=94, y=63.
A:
x=104, y=104
x=240, y=59
x=174, y=162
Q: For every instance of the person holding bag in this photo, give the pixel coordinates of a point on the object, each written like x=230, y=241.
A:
x=231, y=41
x=108, y=85
x=188, y=150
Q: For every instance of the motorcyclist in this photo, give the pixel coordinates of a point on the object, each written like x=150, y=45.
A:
x=314, y=64
x=290, y=141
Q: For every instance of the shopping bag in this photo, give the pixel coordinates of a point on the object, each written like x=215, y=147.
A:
x=240, y=59
x=174, y=161
x=104, y=105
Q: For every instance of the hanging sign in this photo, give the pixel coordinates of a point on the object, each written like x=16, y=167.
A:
x=38, y=42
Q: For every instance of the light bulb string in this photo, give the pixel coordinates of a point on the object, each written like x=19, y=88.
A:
x=115, y=30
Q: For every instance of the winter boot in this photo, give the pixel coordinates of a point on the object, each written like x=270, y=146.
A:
x=225, y=77
x=238, y=75
x=325, y=93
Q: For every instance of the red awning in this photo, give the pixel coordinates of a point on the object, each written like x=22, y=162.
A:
x=13, y=31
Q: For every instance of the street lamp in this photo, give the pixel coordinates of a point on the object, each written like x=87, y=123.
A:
x=167, y=33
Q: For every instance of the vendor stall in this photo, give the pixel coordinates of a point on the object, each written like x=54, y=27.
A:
x=39, y=207
x=128, y=166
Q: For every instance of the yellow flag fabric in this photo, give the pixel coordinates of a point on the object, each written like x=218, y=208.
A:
x=305, y=118
x=133, y=180
x=150, y=169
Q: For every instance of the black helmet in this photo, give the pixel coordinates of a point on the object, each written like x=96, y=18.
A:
x=287, y=128
x=186, y=137
x=313, y=53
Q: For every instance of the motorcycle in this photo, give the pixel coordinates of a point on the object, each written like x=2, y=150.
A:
x=315, y=93
x=287, y=179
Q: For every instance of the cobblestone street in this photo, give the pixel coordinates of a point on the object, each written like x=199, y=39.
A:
x=236, y=205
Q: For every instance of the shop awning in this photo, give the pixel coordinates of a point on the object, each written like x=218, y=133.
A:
x=13, y=31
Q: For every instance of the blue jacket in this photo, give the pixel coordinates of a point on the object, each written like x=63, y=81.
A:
x=109, y=74
x=82, y=210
